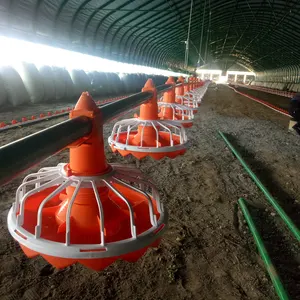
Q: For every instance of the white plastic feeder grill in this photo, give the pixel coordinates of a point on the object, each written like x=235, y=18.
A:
x=32, y=220
x=195, y=96
x=188, y=101
x=130, y=137
x=182, y=114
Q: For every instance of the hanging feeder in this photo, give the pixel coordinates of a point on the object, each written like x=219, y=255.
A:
x=192, y=83
x=147, y=135
x=87, y=211
x=198, y=93
x=185, y=99
x=170, y=110
x=192, y=98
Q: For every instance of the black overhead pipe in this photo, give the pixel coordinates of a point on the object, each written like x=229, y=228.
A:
x=26, y=152
x=32, y=122
x=112, y=110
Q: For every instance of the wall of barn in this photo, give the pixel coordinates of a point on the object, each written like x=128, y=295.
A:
x=286, y=78
x=29, y=84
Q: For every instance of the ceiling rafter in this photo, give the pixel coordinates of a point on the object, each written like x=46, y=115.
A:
x=259, y=33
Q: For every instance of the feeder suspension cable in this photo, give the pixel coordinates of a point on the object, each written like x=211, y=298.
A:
x=188, y=36
x=201, y=36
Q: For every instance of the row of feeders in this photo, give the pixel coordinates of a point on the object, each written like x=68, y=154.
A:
x=90, y=212
x=148, y=134
x=170, y=110
x=188, y=96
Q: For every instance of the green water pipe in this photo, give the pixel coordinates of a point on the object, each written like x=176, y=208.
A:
x=290, y=224
x=282, y=294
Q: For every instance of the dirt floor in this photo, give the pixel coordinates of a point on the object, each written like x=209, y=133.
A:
x=208, y=252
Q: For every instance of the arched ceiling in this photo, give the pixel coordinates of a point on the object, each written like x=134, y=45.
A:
x=257, y=34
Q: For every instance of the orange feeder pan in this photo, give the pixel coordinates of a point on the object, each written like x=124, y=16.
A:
x=87, y=211
x=147, y=135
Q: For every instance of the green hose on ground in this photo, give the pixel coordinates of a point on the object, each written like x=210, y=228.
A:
x=282, y=294
x=290, y=224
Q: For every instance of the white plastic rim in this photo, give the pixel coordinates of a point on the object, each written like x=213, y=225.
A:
x=131, y=125
x=197, y=94
x=185, y=111
x=189, y=101
x=55, y=176
x=191, y=98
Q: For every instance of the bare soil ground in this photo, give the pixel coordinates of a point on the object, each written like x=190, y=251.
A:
x=207, y=252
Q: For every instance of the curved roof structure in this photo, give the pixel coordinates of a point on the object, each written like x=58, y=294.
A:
x=258, y=34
